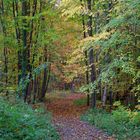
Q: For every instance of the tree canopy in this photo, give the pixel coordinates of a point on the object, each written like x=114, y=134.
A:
x=86, y=46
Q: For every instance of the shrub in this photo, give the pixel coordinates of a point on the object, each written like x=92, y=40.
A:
x=121, y=115
x=136, y=118
x=18, y=121
x=80, y=102
x=122, y=123
x=89, y=116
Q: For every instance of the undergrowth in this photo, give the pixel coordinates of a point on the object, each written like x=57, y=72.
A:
x=19, y=121
x=80, y=102
x=122, y=123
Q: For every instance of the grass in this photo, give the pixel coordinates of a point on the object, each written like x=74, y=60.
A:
x=57, y=94
x=18, y=121
x=80, y=102
x=122, y=123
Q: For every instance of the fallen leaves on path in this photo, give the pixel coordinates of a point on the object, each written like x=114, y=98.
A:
x=64, y=107
x=74, y=129
x=66, y=118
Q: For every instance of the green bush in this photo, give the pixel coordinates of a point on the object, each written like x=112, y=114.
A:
x=121, y=115
x=121, y=123
x=18, y=121
x=80, y=102
x=136, y=119
x=89, y=116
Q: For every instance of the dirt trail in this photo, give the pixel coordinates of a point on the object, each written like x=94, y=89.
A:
x=66, y=118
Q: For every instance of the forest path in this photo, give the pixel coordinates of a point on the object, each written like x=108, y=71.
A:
x=66, y=118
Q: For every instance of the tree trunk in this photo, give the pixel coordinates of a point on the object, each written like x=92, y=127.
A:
x=91, y=54
x=24, y=50
x=86, y=56
x=35, y=89
x=5, y=51
x=111, y=99
x=104, y=97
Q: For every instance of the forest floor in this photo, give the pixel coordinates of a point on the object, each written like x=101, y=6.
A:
x=66, y=118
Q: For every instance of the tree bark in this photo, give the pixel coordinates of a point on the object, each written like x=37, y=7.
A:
x=104, y=97
x=18, y=37
x=24, y=49
x=91, y=54
x=5, y=50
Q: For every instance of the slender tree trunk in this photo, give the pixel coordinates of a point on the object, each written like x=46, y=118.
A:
x=87, y=77
x=107, y=60
x=87, y=65
x=48, y=77
x=43, y=85
x=18, y=37
x=24, y=50
x=111, y=99
x=5, y=50
x=86, y=55
x=30, y=43
x=91, y=54
x=43, y=90
x=104, y=97
x=35, y=89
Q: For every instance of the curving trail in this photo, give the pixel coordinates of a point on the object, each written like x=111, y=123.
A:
x=66, y=118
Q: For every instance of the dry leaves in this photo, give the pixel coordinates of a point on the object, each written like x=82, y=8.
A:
x=66, y=119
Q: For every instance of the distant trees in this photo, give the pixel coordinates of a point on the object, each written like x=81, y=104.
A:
x=111, y=30
x=34, y=43
x=43, y=42
x=23, y=33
